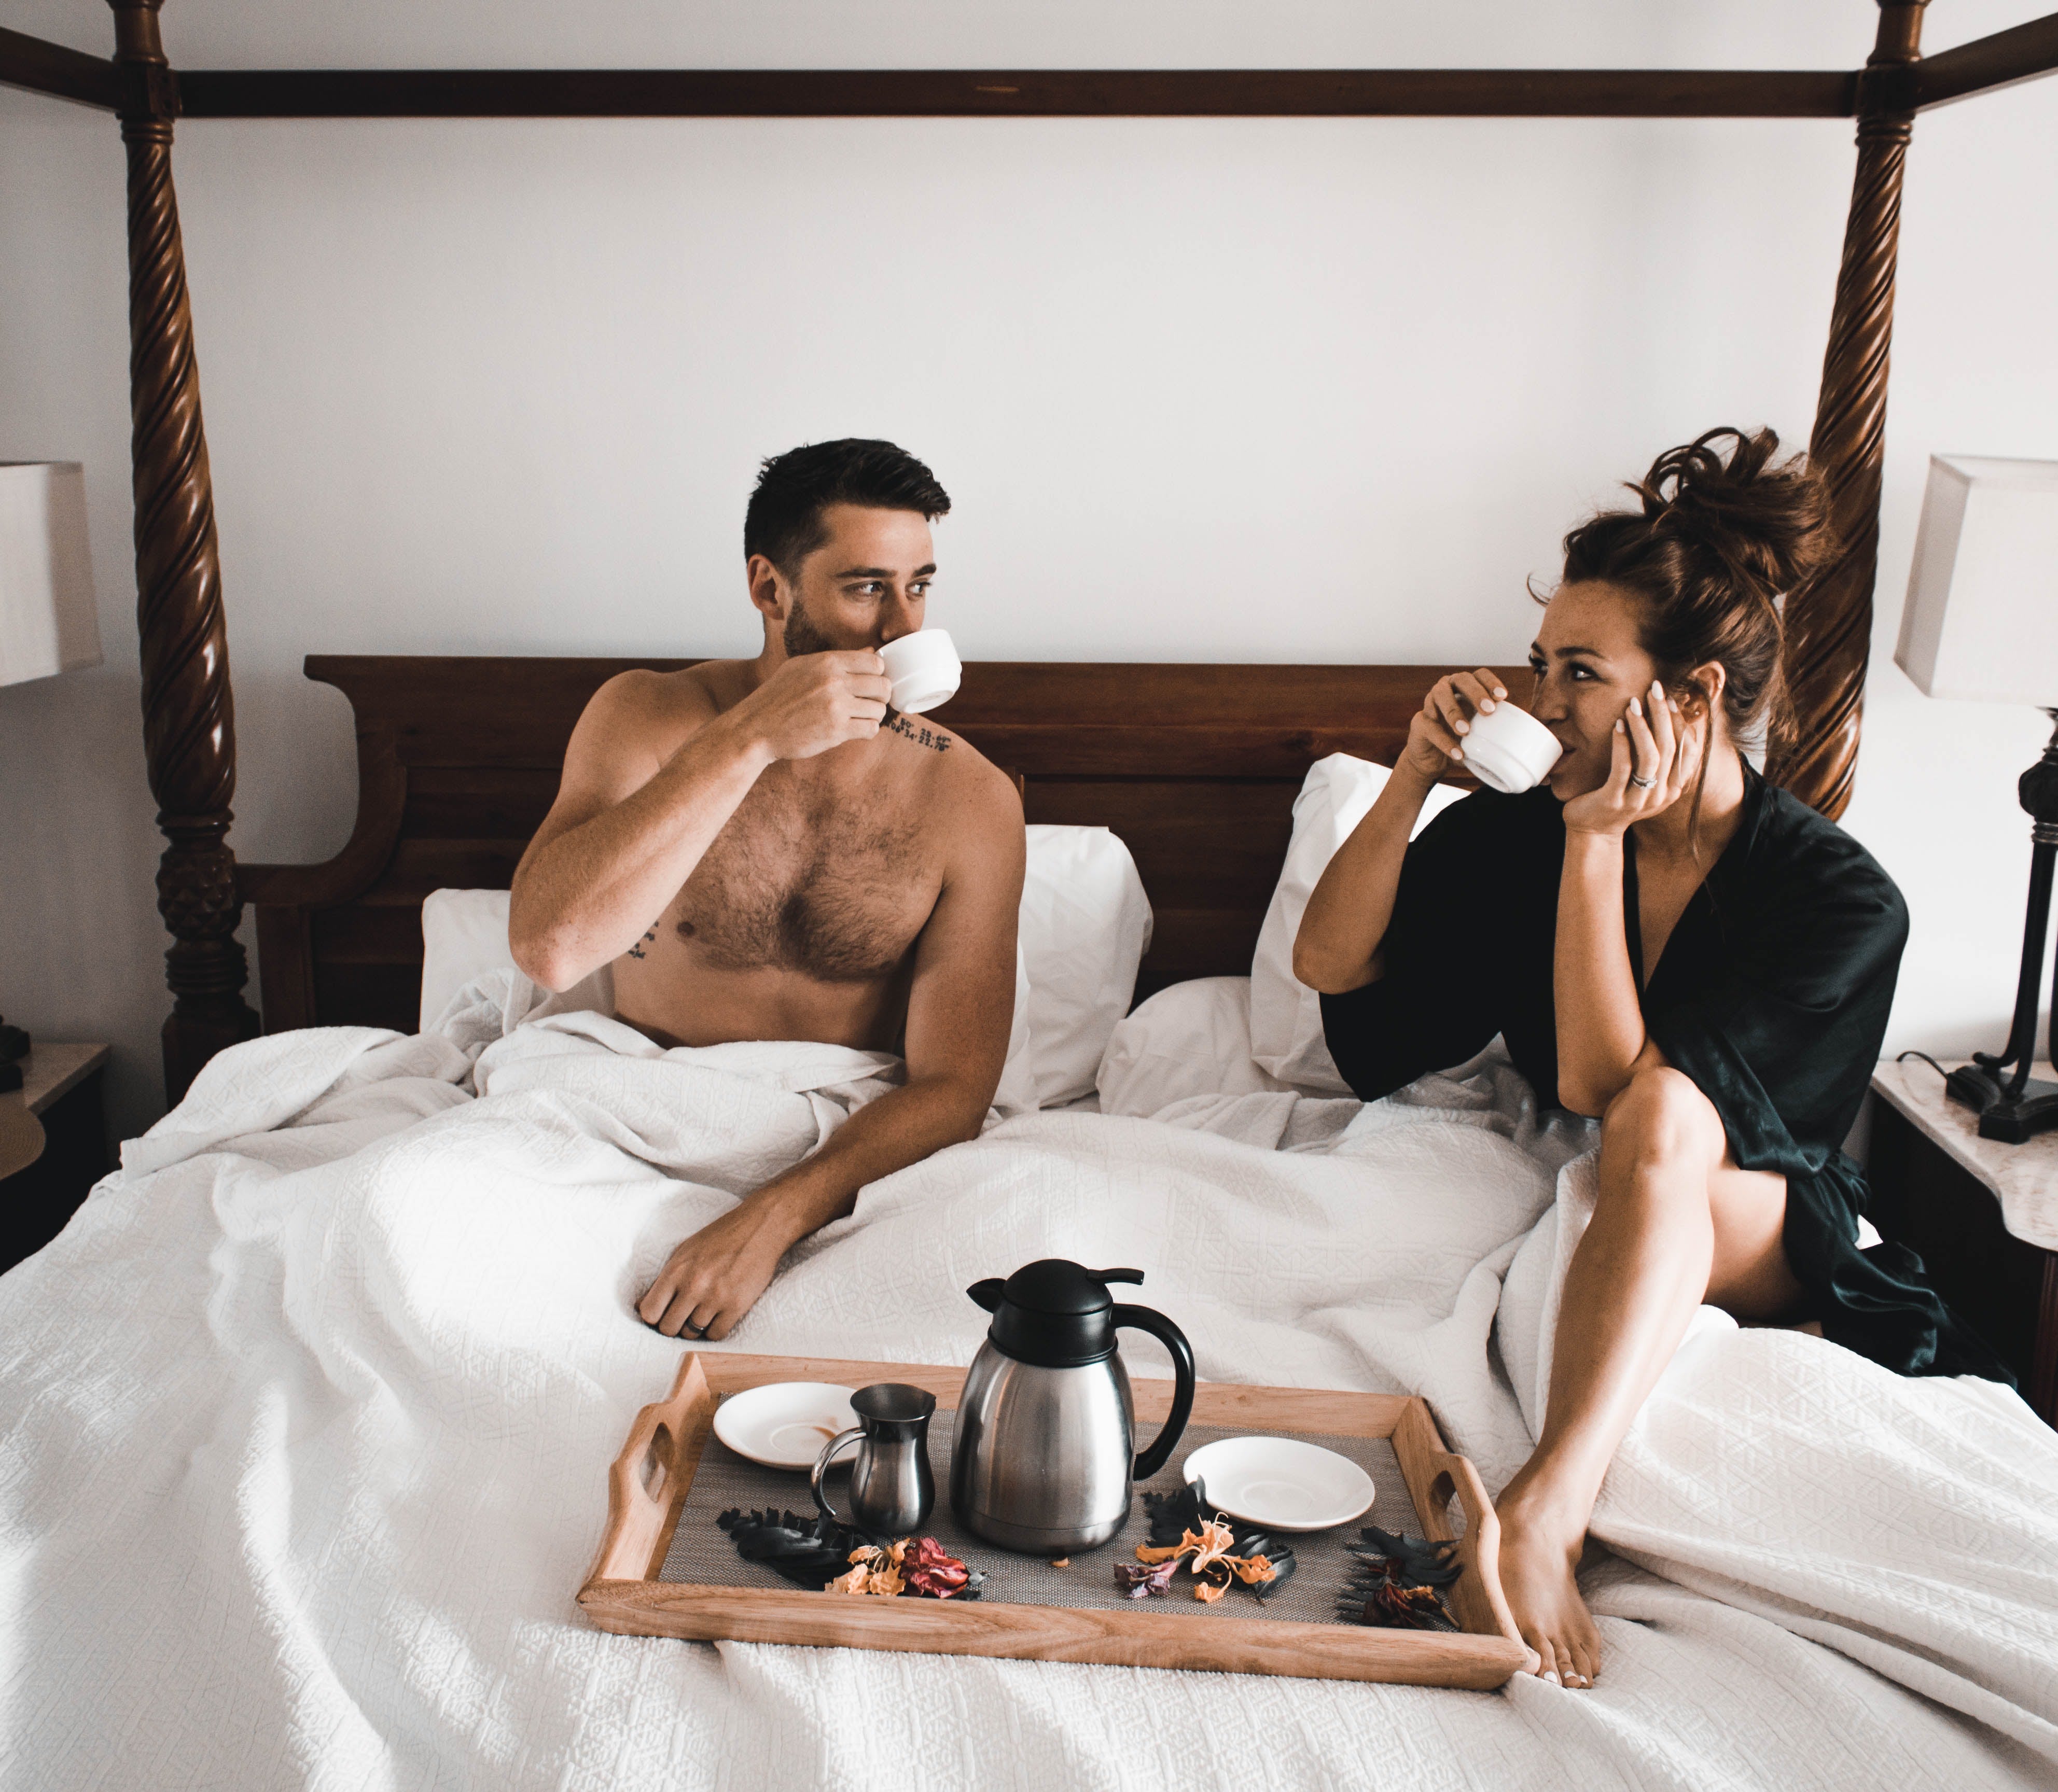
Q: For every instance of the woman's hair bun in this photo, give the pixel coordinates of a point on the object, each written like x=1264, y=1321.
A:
x=1718, y=540
x=1768, y=522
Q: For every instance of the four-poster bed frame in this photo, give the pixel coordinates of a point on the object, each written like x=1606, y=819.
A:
x=457, y=758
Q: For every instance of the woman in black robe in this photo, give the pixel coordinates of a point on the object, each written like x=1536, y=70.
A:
x=1665, y=940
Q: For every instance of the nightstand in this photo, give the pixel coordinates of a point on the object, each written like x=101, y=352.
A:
x=61, y=1085
x=1983, y=1216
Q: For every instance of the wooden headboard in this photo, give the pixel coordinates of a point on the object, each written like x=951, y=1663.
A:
x=1195, y=767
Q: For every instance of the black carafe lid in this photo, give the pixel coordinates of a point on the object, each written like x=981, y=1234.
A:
x=1053, y=1313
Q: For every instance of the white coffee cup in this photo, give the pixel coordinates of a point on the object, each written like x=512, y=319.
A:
x=925, y=670
x=1509, y=751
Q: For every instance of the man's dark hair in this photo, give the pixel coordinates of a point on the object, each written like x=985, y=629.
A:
x=784, y=522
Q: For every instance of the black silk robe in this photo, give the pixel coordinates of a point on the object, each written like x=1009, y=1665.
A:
x=1772, y=995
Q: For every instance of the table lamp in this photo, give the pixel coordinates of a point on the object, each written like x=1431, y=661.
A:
x=49, y=622
x=1982, y=622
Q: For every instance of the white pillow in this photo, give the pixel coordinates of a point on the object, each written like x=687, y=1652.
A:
x=464, y=935
x=1085, y=926
x=1016, y=1093
x=1285, y=1015
x=1191, y=1039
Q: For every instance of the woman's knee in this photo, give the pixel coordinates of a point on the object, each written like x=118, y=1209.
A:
x=1662, y=1116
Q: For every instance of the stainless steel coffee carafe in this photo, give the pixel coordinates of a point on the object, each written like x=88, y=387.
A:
x=1043, y=1459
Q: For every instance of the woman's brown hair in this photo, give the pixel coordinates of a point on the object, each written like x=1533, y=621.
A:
x=1712, y=550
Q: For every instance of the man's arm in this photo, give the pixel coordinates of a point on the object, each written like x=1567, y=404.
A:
x=630, y=825
x=959, y=1008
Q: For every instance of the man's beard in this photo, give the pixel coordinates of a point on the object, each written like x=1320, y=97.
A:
x=801, y=636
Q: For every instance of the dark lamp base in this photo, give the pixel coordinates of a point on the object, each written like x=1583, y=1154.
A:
x=2009, y=1118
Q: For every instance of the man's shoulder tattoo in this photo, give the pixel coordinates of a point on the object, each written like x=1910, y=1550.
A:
x=907, y=725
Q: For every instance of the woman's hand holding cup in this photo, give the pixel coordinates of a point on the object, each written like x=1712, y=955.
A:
x=1436, y=735
x=1651, y=765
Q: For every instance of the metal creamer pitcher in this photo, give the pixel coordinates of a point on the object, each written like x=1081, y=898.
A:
x=1044, y=1458
x=891, y=1488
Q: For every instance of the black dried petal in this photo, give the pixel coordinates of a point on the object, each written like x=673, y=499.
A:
x=1397, y=1582
x=1418, y=1562
x=1171, y=1515
x=1283, y=1565
x=809, y=1551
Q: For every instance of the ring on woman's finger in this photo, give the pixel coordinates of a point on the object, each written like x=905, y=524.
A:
x=1642, y=783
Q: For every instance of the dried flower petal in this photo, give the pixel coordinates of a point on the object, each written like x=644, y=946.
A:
x=931, y=1570
x=1253, y=1571
x=1398, y=1582
x=1215, y=1540
x=1209, y=1591
x=1146, y=1583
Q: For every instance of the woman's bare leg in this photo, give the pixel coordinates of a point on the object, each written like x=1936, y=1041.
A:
x=1675, y=1223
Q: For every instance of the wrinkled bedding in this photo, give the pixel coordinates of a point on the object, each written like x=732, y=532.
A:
x=305, y=1423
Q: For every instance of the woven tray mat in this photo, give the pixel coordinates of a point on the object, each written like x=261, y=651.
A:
x=702, y=1555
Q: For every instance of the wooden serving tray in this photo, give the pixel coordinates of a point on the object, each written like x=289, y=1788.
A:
x=650, y=1480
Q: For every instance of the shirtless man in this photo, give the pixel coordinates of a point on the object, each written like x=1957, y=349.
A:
x=763, y=853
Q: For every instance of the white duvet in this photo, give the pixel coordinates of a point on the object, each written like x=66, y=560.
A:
x=305, y=1423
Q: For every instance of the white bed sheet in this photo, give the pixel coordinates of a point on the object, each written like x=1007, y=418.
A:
x=303, y=1425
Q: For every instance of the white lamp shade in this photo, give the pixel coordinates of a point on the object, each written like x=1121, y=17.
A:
x=49, y=621
x=1982, y=614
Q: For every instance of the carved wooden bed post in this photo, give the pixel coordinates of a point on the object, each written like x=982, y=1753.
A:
x=188, y=717
x=1829, y=624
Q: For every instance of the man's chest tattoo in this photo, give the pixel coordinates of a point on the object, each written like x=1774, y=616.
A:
x=637, y=951
x=921, y=736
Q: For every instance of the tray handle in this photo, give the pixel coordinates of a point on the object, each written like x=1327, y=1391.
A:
x=1480, y=1549
x=649, y=1479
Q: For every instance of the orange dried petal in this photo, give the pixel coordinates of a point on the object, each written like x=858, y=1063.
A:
x=1148, y=1552
x=1253, y=1571
x=1212, y=1542
x=1209, y=1591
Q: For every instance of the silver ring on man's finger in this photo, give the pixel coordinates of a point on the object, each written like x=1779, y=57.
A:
x=1642, y=783
x=688, y=1326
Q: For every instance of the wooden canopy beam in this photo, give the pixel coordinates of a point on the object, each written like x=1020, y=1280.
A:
x=2007, y=58
x=64, y=73
x=1018, y=94
x=2022, y=53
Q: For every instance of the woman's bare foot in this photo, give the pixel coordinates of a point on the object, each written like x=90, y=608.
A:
x=1539, y=1548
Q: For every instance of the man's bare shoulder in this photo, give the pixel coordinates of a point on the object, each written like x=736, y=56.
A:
x=958, y=779
x=645, y=708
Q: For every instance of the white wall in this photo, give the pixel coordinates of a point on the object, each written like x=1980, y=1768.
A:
x=1246, y=390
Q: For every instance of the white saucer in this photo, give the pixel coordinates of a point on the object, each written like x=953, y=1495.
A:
x=1281, y=1483
x=784, y=1424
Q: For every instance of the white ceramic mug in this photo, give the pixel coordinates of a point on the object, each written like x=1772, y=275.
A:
x=925, y=670
x=1509, y=750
